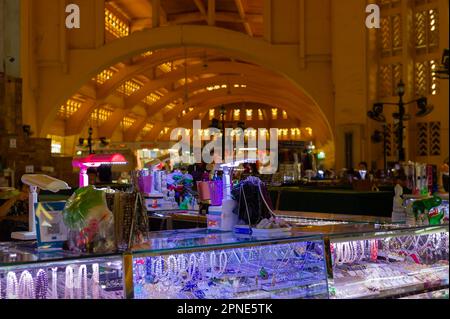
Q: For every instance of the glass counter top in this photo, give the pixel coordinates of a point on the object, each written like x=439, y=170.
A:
x=359, y=219
x=370, y=230
x=19, y=253
x=184, y=239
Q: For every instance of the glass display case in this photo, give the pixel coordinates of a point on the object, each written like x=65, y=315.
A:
x=206, y=264
x=387, y=261
x=27, y=274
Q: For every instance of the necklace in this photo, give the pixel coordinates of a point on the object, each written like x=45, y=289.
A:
x=11, y=286
x=202, y=265
x=41, y=284
x=81, y=280
x=68, y=291
x=95, y=281
x=192, y=266
x=212, y=263
x=223, y=260
x=55, y=283
x=26, y=285
x=172, y=268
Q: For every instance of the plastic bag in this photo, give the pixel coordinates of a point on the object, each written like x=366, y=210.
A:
x=90, y=222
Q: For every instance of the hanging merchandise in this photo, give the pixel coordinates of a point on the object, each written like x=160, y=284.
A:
x=90, y=222
x=254, y=209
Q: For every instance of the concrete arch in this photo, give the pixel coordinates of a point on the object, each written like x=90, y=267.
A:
x=56, y=86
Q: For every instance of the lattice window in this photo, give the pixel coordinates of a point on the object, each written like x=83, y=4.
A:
x=236, y=115
x=435, y=138
x=389, y=76
x=389, y=140
x=101, y=115
x=212, y=113
x=146, y=130
x=71, y=106
x=274, y=113
x=260, y=115
x=115, y=25
x=426, y=27
x=104, y=76
x=422, y=139
x=425, y=82
x=147, y=54
x=189, y=110
x=166, y=67
x=391, y=35
x=127, y=122
x=152, y=98
x=129, y=87
x=248, y=114
x=429, y=139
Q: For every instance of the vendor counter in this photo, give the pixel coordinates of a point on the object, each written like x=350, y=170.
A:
x=337, y=260
x=339, y=201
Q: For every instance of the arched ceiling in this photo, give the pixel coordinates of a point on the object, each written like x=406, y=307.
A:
x=170, y=87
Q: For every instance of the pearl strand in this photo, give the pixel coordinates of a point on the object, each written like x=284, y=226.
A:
x=68, y=292
x=192, y=266
x=82, y=281
x=26, y=285
x=212, y=263
x=95, y=281
x=11, y=286
x=55, y=283
x=41, y=284
x=172, y=268
x=202, y=264
x=223, y=266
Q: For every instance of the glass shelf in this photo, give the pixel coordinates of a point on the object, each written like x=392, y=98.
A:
x=201, y=238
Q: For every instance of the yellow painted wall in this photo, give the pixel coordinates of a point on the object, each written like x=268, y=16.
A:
x=322, y=46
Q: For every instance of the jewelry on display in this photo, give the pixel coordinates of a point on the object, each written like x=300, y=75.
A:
x=55, y=283
x=95, y=281
x=41, y=284
x=374, y=250
x=182, y=263
x=69, y=284
x=172, y=266
x=223, y=260
x=192, y=266
x=26, y=285
x=202, y=264
x=11, y=286
x=82, y=281
x=212, y=263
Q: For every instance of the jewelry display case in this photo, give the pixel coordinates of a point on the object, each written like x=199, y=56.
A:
x=26, y=274
x=387, y=261
x=208, y=264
